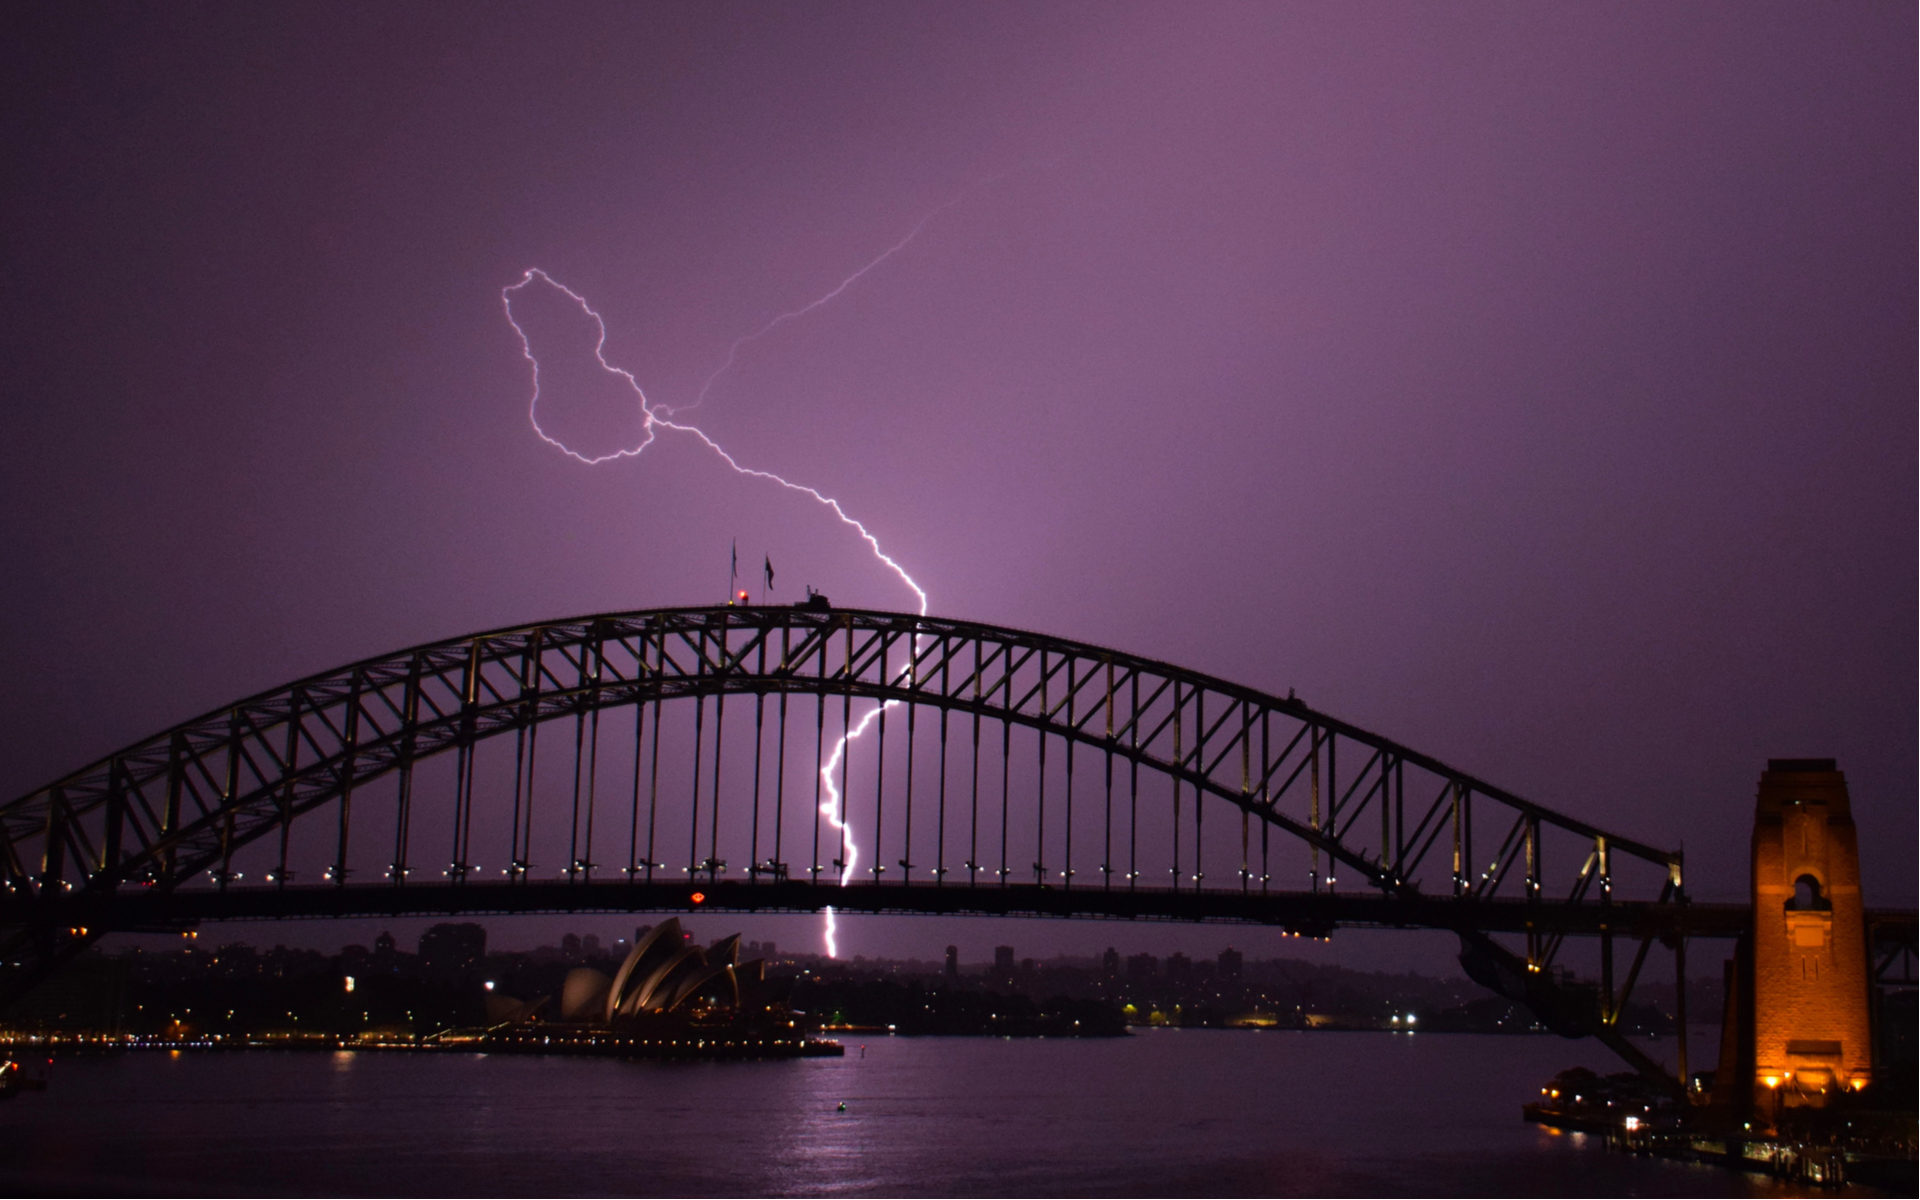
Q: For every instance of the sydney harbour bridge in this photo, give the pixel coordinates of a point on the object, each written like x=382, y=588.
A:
x=795, y=759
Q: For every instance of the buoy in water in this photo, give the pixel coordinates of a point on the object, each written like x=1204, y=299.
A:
x=843, y=1106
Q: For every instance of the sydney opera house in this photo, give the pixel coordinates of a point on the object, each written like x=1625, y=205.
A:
x=670, y=998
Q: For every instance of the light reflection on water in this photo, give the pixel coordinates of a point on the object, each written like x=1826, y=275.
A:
x=1162, y=1113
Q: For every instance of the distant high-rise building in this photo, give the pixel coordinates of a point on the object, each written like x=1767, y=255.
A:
x=1179, y=968
x=570, y=946
x=590, y=945
x=1141, y=967
x=449, y=949
x=1110, y=963
x=1003, y=960
x=1230, y=962
x=953, y=963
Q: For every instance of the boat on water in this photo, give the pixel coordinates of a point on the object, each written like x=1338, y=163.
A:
x=25, y=1074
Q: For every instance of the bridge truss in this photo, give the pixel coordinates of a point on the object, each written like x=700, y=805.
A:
x=704, y=753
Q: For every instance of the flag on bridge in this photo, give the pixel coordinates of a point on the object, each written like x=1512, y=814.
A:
x=769, y=573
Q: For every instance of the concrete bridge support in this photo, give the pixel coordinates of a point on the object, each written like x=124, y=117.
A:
x=1798, y=1029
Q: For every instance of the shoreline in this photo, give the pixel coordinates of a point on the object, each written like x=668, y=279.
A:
x=1818, y=1165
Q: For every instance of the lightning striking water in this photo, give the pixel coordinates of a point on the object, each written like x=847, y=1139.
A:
x=658, y=415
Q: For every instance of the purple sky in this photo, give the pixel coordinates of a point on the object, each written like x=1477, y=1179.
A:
x=1531, y=384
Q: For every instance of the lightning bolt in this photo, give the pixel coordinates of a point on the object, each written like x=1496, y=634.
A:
x=733, y=351
x=658, y=416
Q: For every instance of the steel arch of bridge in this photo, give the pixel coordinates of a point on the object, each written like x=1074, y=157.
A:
x=1389, y=835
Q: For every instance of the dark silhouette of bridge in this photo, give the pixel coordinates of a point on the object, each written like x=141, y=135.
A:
x=704, y=760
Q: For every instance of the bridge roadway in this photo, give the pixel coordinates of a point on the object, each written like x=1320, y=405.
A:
x=1312, y=913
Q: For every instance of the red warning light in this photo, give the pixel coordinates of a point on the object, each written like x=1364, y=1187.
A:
x=743, y=597
x=699, y=897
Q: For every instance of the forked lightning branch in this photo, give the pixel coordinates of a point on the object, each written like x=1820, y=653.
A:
x=659, y=417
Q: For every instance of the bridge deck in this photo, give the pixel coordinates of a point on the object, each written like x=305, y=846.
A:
x=1306, y=912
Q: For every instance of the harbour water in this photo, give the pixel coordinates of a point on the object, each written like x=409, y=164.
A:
x=1161, y=1113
